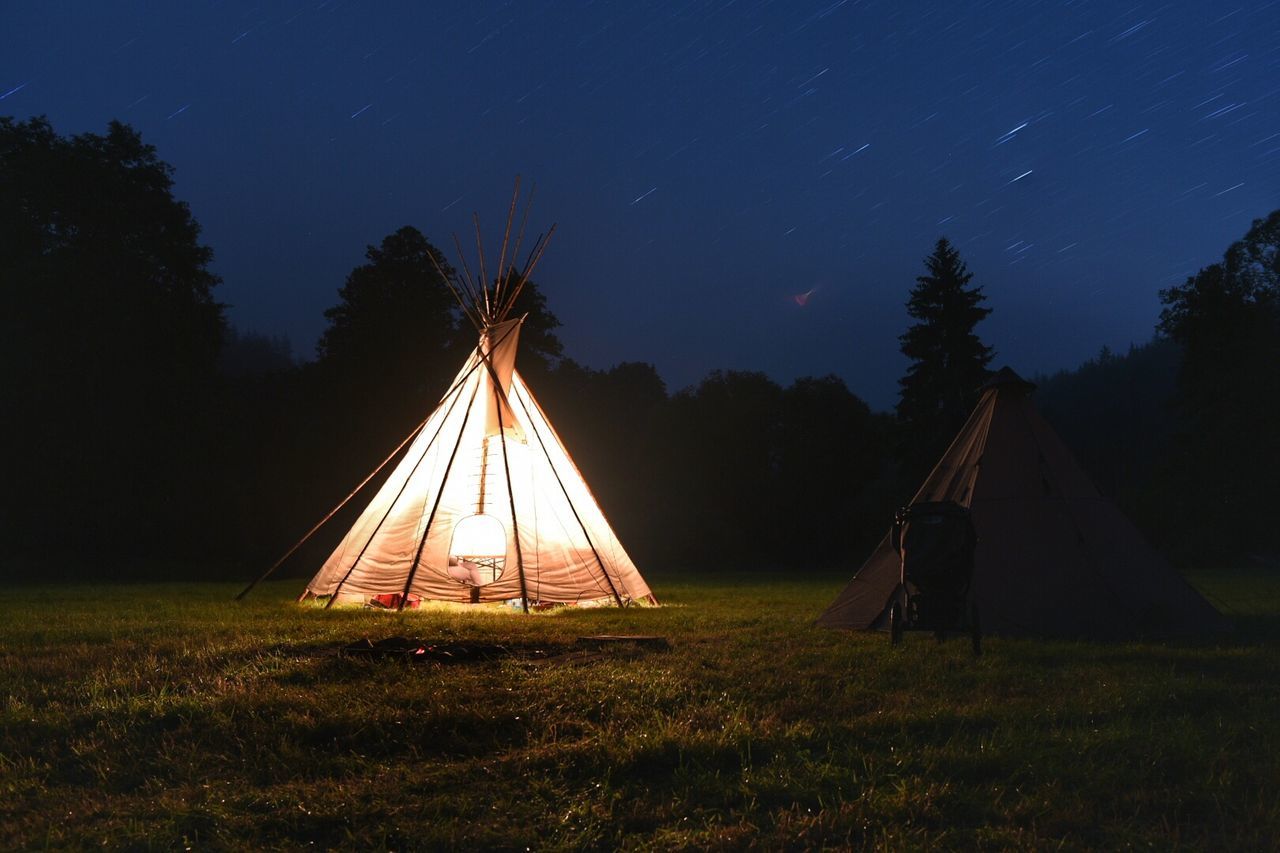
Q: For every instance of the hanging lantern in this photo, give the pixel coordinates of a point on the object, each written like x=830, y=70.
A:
x=478, y=550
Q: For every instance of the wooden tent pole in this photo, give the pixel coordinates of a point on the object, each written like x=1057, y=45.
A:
x=511, y=497
x=484, y=276
x=331, y=513
x=463, y=378
x=572, y=508
x=422, y=543
x=454, y=290
x=413, y=568
x=506, y=237
x=524, y=221
x=472, y=294
x=535, y=255
x=337, y=589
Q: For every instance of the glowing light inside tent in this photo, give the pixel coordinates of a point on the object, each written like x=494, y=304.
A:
x=478, y=550
x=479, y=536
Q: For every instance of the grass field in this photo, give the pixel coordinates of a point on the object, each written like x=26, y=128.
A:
x=167, y=716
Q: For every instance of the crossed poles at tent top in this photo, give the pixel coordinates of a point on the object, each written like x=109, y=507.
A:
x=483, y=304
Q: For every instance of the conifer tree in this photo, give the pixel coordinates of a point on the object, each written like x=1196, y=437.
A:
x=948, y=360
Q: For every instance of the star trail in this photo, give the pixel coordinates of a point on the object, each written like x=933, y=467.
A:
x=1081, y=156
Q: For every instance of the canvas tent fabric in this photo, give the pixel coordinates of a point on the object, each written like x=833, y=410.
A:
x=1054, y=558
x=487, y=450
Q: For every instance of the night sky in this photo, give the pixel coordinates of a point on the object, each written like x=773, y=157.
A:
x=705, y=161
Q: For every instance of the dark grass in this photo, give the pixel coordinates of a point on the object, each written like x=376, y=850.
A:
x=165, y=716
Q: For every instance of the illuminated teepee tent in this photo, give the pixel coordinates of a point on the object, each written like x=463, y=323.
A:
x=485, y=505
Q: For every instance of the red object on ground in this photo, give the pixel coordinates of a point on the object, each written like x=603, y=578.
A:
x=391, y=600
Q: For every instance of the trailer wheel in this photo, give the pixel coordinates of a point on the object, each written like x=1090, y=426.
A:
x=895, y=624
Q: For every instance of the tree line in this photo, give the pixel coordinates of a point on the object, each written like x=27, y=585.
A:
x=147, y=434
x=1182, y=430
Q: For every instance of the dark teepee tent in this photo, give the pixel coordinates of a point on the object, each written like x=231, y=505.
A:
x=1054, y=558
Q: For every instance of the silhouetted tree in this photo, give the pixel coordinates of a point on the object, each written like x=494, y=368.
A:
x=1115, y=413
x=720, y=441
x=1222, y=316
x=752, y=475
x=383, y=361
x=829, y=458
x=388, y=336
x=397, y=336
x=262, y=419
x=254, y=354
x=607, y=419
x=108, y=343
x=948, y=360
x=1219, y=480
